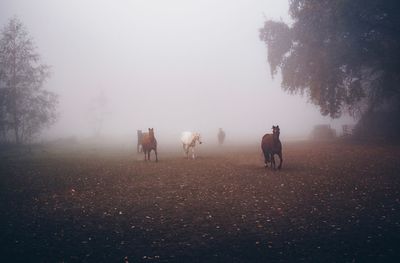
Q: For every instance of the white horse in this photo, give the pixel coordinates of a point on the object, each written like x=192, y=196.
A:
x=189, y=141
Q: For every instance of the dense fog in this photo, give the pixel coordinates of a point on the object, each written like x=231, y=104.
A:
x=123, y=65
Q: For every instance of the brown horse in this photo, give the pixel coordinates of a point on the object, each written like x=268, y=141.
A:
x=149, y=143
x=221, y=136
x=271, y=145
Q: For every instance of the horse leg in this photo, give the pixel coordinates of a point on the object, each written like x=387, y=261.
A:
x=193, y=153
x=155, y=150
x=280, y=160
x=187, y=152
x=148, y=155
x=266, y=158
x=145, y=155
x=139, y=148
x=272, y=160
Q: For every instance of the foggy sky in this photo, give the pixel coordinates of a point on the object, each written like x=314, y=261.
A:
x=172, y=65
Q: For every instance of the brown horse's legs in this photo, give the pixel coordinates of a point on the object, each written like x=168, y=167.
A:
x=155, y=150
x=267, y=159
x=148, y=155
x=272, y=160
x=280, y=160
x=145, y=155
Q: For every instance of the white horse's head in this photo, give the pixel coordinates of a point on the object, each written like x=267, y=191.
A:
x=197, y=137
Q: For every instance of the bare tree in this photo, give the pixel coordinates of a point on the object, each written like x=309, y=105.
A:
x=25, y=106
x=98, y=112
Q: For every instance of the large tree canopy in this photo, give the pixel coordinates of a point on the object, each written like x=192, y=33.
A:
x=25, y=106
x=344, y=54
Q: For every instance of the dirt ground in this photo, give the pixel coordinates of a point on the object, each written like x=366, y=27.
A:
x=331, y=202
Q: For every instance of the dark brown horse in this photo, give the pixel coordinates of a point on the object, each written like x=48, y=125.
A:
x=270, y=146
x=149, y=143
x=221, y=136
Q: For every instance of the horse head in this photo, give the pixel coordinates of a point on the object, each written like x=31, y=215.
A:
x=151, y=132
x=276, y=131
x=197, y=138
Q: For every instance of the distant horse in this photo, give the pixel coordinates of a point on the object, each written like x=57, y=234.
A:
x=189, y=140
x=139, y=141
x=221, y=136
x=149, y=143
x=270, y=146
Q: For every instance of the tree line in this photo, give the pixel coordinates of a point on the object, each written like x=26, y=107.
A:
x=344, y=55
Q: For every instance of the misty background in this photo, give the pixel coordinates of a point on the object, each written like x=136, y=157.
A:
x=172, y=65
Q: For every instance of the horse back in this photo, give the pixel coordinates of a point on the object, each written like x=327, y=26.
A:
x=268, y=144
x=144, y=138
x=187, y=137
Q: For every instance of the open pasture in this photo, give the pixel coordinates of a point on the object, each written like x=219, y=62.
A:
x=331, y=202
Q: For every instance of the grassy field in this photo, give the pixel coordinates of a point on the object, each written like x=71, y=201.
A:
x=331, y=202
